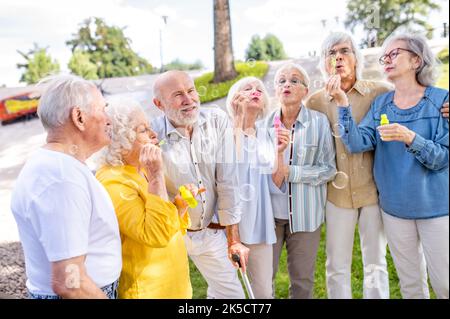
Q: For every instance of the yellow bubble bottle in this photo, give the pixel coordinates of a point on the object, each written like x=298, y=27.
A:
x=384, y=119
x=187, y=196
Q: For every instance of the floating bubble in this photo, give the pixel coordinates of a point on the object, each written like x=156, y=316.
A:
x=215, y=93
x=202, y=90
x=341, y=180
x=115, y=171
x=336, y=131
x=251, y=62
x=73, y=277
x=182, y=167
x=301, y=153
x=247, y=192
x=372, y=274
x=343, y=156
x=134, y=186
x=207, y=146
x=317, y=84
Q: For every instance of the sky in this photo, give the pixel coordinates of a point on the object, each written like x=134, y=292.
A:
x=188, y=34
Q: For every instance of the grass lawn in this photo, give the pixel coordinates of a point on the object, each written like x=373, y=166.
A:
x=320, y=291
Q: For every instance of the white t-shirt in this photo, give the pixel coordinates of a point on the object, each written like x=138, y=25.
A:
x=62, y=212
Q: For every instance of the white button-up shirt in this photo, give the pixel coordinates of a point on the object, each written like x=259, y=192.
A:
x=206, y=160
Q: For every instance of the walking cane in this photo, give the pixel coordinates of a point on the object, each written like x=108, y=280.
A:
x=236, y=258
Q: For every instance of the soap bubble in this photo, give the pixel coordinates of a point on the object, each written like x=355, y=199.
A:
x=340, y=181
x=73, y=149
x=115, y=171
x=207, y=146
x=131, y=183
x=336, y=131
x=247, y=192
x=202, y=90
x=251, y=62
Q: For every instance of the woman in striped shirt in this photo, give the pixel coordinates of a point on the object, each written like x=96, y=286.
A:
x=303, y=171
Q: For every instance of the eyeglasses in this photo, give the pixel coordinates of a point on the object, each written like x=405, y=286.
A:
x=392, y=55
x=343, y=51
x=293, y=81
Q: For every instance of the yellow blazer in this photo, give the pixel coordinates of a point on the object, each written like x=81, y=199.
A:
x=154, y=256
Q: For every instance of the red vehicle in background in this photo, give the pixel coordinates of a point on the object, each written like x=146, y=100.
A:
x=16, y=106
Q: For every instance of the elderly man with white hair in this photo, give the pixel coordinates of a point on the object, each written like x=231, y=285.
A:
x=199, y=150
x=248, y=102
x=66, y=220
x=302, y=173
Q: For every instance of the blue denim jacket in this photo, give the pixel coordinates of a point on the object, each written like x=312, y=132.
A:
x=412, y=181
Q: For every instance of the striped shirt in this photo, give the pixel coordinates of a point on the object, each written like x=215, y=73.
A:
x=311, y=160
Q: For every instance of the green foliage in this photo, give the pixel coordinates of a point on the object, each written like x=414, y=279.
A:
x=39, y=64
x=210, y=91
x=80, y=65
x=268, y=49
x=256, y=49
x=109, y=49
x=387, y=15
x=180, y=65
x=443, y=55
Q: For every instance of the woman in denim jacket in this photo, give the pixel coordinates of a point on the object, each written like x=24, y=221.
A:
x=410, y=165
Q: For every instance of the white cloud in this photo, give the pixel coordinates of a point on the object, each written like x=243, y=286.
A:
x=49, y=23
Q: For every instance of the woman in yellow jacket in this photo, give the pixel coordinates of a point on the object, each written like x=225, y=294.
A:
x=155, y=262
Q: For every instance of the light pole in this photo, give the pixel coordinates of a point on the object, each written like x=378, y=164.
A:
x=161, y=42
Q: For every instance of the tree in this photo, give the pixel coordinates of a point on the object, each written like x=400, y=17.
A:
x=177, y=64
x=223, y=50
x=109, y=49
x=387, y=15
x=80, y=65
x=257, y=49
x=39, y=64
x=274, y=48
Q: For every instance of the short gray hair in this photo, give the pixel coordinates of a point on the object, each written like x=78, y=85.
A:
x=289, y=66
x=60, y=94
x=336, y=38
x=121, y=113
x=428, y=72
x=238, y=86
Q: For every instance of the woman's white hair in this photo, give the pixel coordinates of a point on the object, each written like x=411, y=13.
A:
x=427, y=72
x=290, y=66
x=60, y=94
x=121, y=112
x=336, y=38
x=238, y=86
